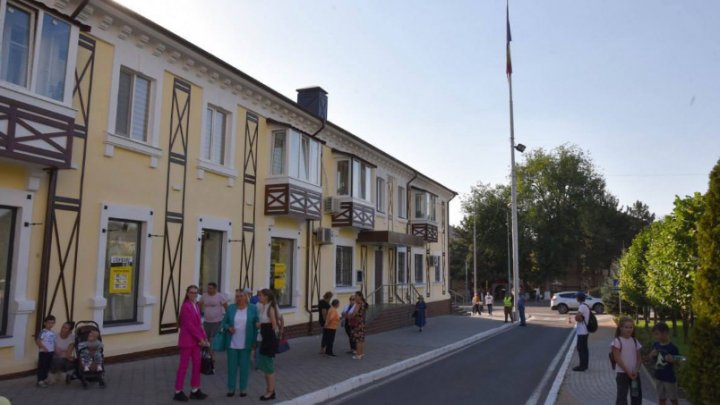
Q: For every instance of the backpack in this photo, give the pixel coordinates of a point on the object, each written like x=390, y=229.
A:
x=592, y=323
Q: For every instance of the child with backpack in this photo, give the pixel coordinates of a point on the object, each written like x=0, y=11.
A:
x=626, y=356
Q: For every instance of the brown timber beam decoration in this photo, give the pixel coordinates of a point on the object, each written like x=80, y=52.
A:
x=249, y=193
x=170, y=279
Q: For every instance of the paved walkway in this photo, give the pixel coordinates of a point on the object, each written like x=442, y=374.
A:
x=300, y=371
x=596, y=386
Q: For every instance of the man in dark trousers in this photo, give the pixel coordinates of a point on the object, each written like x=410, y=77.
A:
x=508, y=306
x=582, y=332
x=323, y=307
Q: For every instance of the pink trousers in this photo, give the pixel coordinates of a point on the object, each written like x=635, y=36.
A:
x=188, y=354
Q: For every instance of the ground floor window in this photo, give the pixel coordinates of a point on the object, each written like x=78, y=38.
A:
x=281, y=270
x=7, y=236
x=211, y=253
x=343, y=266
x=401, y=266
x=419, y=268
x=436, y=266
x=122, y=269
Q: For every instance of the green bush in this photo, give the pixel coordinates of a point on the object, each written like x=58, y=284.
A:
x=704, y=359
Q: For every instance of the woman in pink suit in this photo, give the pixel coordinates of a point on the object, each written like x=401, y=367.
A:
x=190, y=340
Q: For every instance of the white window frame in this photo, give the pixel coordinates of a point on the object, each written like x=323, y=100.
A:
x=30, y=90
x=20, y=307
x=145, y=300
x=407, y=253
x=422, y=260
x=223, y=225
x=208, y=138
x=134, y=76
x=361, y=174
x=427, y=207
x=127, y=58
x=402, y=202
x=437, y=267
x=265, y=276
x=353, y=280
x=380, y=195
x=293, y=155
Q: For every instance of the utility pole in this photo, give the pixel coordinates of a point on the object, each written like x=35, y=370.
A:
x=474, y=253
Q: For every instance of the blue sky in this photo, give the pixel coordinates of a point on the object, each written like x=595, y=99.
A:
x=634, y=83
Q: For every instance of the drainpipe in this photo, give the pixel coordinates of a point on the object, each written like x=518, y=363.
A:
x=446, y=248
x=308, y=272
x=308, y=250
x=46, y=251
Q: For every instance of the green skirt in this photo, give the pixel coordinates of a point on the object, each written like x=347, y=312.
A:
x=266, y=364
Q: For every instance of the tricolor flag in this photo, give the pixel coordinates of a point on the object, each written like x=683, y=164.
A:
x=508, y=68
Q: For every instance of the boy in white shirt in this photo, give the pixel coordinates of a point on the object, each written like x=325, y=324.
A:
x=46, y=349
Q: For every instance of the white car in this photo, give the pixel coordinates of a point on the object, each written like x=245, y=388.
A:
x=565, y=301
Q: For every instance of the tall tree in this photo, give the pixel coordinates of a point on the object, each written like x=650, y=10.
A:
x=576, y=225
x=633, y=270
x=704, y=361
x=673, y=257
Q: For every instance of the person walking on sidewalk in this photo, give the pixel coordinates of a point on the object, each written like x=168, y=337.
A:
x=269, y=330
x=489, y=302
x=626, y=353
x=476, y=304
x=357, y=322
x=240, y=323
x=190, y=340
x=507, y=306
x=581, y=331
x=331, y=324
x=346, y=315
x=323, y=307
x=213, y=306
x=521, y=307
x=419, y=314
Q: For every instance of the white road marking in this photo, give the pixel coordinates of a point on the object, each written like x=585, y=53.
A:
x=535, y=397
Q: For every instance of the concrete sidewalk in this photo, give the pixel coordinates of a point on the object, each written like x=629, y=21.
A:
x=300, y=371
x=596, y=386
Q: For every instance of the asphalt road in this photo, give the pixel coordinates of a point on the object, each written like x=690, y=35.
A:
x=504, y=369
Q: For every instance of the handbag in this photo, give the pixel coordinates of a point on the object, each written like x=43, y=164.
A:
x=207, y=364
x=283, y=345
x=220, y=340
x=415, y=313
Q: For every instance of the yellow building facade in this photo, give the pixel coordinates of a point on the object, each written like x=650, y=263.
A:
x=133, y=164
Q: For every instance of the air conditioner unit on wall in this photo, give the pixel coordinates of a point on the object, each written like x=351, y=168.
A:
x=323, y=236
x=331, y=205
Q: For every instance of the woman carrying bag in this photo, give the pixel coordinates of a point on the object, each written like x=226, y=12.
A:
x=240, y=333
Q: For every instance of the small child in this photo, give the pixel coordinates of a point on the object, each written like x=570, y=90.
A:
x=91, y=352
x=46, y=344
x=662, y=353
x=626, y=352
x=331, y=324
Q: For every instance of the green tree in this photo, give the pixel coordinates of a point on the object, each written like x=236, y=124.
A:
x=673, y=258
x=704, y=359
x=575, y=225
x=633, y=270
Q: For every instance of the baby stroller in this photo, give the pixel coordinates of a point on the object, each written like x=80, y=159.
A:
x=82, y=330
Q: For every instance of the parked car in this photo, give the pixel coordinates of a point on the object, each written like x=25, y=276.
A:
x=565, y=301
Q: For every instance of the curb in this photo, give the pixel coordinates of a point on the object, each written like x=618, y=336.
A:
x=354, y=383
x=552, y=396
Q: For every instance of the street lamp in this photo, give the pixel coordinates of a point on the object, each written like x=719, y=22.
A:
x=515, y=256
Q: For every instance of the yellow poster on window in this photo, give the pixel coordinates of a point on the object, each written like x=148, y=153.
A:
x=279, y=276
x=120, y=280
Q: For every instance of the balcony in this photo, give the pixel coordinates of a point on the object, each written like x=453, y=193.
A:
x=33, y=134
x=427, y=230
x=292, y=199
x=352, y=213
